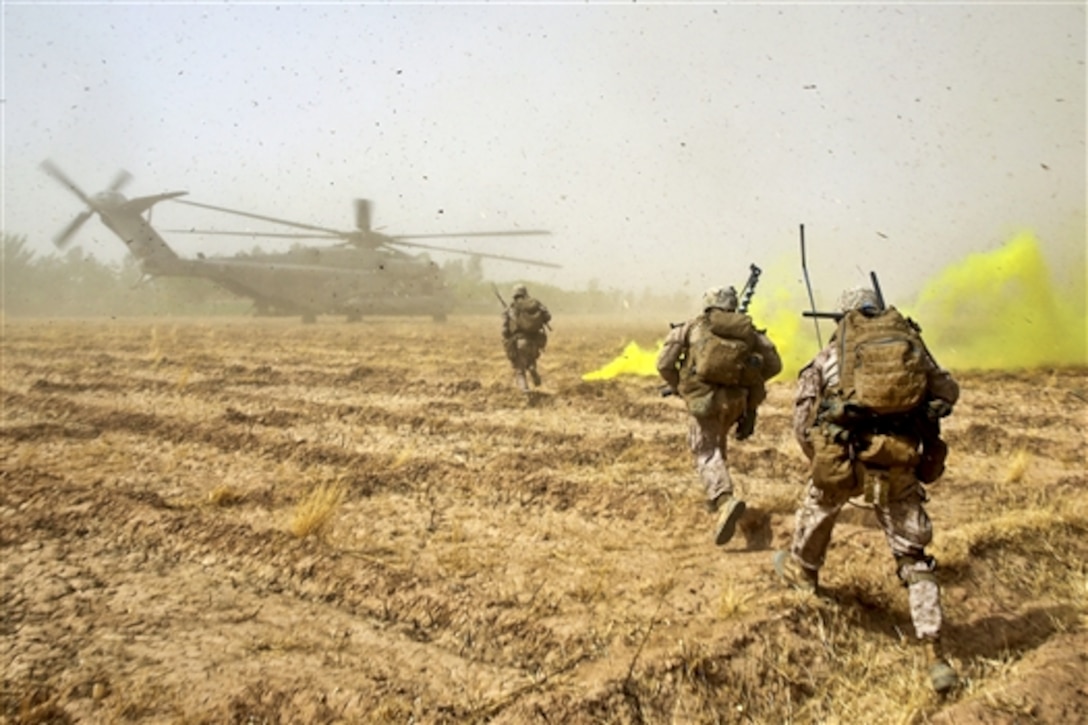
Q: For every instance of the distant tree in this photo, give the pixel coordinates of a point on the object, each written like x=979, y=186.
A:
x=474, y=268
x=18, y=288
x=78, y=284
x=465, y=279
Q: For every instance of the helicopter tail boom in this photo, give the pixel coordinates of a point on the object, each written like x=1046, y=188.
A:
x=141, y=204
x=125, y=218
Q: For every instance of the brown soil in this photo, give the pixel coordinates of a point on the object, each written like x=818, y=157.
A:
x=495, y=557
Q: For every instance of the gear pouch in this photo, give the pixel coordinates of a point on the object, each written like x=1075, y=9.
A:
x=931, y=466
x=833, y=470
x=698, y=395
x=890, y=451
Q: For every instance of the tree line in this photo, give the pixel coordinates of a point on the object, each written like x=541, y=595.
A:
x=75, y=283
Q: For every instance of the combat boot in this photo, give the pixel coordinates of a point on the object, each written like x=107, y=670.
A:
x=941, y=674
x=729, y=512
x=791, y=572
x=519, y=380
x=535, y=376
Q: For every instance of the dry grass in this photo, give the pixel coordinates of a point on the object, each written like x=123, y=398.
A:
x=1016, y=529
x=1018, y=467
x=315, y=512
x=224, y=495
x=734, y=601
x=493, y=560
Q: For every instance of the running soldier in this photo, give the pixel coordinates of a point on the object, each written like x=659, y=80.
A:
x=865, y=414
x=719, y=363
x=525, y=335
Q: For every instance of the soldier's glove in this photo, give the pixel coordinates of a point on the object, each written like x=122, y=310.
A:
x=831, y=410
x=755, y=360
x=837, y=433
x=937, y=409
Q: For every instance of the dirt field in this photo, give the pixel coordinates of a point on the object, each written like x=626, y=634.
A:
x=491, y=558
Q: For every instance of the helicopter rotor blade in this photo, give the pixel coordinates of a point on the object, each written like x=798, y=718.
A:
x=61, y=240
x=512, y=233
x=254, y=235
x=261, y=217
x=120, y=180
x=53, y=170
x=503, y=257
x=365, y=236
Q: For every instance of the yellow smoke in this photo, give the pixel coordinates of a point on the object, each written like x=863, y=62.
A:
x=994, y=310
x=634, y=360
x=1000, y=310
x=778, y=311
x=782, y=324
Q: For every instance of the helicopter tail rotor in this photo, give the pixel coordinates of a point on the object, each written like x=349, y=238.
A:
x=62, y=239
x=65, y=237
x=54, y=171
x=120, y=180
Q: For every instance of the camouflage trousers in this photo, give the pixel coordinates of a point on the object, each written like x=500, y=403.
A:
x=907, y=528
x=521, y=352
x=707, y=436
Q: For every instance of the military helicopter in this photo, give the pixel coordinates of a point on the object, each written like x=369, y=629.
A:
x=365, y=274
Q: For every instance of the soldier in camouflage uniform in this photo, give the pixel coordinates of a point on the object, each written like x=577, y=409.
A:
x=524, y=335
x=717, y=408
x=897, y=503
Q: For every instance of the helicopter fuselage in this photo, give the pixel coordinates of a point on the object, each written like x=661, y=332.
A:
x=306, y=281
x=366, y=273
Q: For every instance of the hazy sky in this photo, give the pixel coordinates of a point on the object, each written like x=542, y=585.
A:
x=664, y=145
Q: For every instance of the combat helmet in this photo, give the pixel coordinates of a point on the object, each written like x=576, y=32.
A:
x=722, y=298
x=520, y=290
x=859, y=298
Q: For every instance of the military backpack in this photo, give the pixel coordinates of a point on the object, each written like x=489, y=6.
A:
x=720, y=346
x=529, y=316
x=882, y=362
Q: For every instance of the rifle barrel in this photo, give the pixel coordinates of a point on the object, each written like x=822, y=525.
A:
x=749, y=287
x=877, y=290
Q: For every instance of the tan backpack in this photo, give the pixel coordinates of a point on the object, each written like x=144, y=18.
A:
x=881, y=362
x=529, y=316
x=719, y=346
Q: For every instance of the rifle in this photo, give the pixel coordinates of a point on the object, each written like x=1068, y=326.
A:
x=934, y=449
x=837, y=316
x=749, y=288
x=876, y=288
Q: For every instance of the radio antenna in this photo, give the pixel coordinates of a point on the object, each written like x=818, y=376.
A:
x=808, y=284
